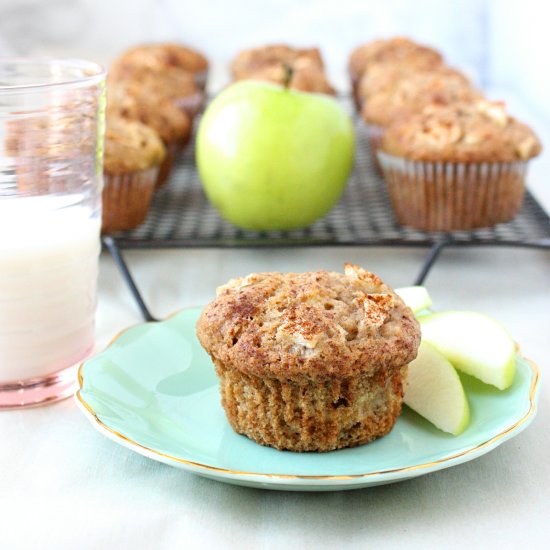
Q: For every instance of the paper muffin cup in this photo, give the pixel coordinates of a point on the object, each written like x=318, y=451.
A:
x=446, y=196
x=311, y=415
x=126, y=199
x=375, y=135
x=201, y=79
x=192, y=104
x=172, y=151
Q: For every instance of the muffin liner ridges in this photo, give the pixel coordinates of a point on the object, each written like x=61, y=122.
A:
x=126, y=199
x=312, y=415
x=165, y=169
x=446, y=196
x=375, y=135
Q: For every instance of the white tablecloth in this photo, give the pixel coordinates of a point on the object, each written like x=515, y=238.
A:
x=63, y=485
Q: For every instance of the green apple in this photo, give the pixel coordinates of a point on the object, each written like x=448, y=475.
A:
x=434, y=390
x=271, y=158
x=416, y=297
x=474, y=343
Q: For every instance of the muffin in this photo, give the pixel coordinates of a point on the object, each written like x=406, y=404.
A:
x=250, y=61
x=304, y=76
x=411, y=94
x=171, y=83
x=133, y=154
x=160, y=57
x=310, y=361
x=170, y=123
x=457, y=167
x=399, y=49
x=382, y=78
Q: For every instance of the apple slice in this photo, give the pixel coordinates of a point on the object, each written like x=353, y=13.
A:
x=474, y=344
x=434, y=391
x=416, y=297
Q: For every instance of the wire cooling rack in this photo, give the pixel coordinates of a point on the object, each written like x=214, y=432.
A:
x=182, y=217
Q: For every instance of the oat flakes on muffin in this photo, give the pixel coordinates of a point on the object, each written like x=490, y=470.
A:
x=163, y=56
x=133, y=154
x=249, y=61
x=171, y=124
x=458, y=166
x=310, y=361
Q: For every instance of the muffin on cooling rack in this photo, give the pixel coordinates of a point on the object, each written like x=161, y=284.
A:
x=299, y=69
x=456, y=167
x=171, y=83
x=303, y=75
x=310, y=361
x=133, y=154
x=411, y=94
x=394, y=50
x=250, y=61
x=171, y=124
x=160, y=57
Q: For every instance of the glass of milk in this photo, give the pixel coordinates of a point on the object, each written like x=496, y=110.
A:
x=51, y=146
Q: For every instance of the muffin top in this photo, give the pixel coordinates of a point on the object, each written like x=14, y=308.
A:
x=315, y=325
x=163, y=56
x=383, y=77
x=416, y=91
x=306, y=76
x=248, y=62
x=170, y=83
x=480, y=131
x=399, y=49
x=130, y=146
x=170, y=123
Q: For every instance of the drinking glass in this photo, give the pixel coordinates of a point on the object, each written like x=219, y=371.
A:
x=51, y=147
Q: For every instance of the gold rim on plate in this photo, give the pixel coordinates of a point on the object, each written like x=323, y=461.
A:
x=205, y=467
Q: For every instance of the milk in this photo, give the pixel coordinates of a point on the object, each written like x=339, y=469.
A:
x=49, y=249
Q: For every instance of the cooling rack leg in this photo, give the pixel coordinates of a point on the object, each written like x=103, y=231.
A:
x=113, y=249
x=431, y=257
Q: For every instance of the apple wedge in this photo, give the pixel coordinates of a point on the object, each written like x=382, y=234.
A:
x=434, y=391
x=474, y=344
x=416, y=297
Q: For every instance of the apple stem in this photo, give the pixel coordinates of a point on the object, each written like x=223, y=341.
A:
x=289, y=73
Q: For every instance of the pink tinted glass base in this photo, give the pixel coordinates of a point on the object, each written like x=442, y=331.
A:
x=40, y=391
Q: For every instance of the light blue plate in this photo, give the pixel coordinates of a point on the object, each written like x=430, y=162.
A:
x=154, y=390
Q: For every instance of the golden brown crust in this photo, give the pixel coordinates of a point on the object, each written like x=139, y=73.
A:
x=130, y=146
x=170, y=123
x=412, y=93
x=315, y=326
x=480, y=131
x=249, y=61
x=398, y=49
x=162, y=56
